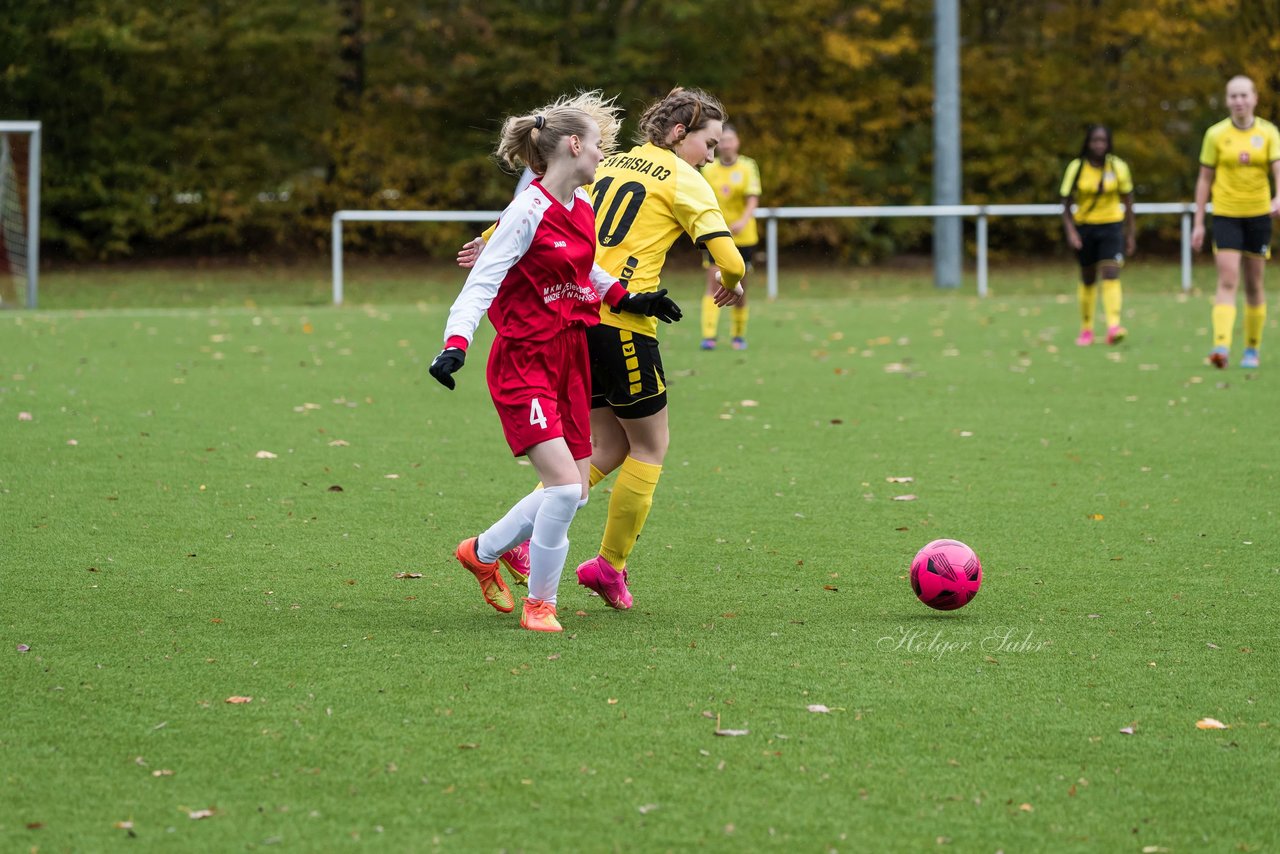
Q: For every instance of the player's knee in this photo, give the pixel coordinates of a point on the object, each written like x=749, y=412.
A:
x=561, y=502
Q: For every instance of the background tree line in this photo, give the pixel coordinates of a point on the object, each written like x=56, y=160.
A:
x=211, y=126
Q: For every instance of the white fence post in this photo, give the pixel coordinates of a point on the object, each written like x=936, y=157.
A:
x=982, y=252
x=771, y=255
x=337, y=258
x=1186, y=251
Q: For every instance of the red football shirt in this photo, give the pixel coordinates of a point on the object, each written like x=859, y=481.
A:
x=537, y=274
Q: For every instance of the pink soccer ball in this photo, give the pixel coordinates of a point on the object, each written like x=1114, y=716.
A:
x=946, y=574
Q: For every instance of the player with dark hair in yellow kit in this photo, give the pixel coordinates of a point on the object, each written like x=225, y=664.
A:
x=1100, y=229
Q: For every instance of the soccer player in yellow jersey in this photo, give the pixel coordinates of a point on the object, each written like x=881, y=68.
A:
x=736, y=180
x=644, y=199
x=1236, y=158
x=1101, y=229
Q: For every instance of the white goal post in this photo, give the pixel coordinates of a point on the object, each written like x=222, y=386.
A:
x=770, y=216
x=20, y=239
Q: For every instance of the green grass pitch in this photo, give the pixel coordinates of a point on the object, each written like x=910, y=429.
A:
x=1123, y=501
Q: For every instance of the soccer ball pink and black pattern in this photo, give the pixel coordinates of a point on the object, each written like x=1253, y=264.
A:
x=946, y=575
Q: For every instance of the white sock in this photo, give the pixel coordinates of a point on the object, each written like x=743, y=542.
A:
x=511, y=530
x=549, y=544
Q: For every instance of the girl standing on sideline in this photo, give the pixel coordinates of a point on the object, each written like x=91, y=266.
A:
x=644, y=199
x=541, y=289
x=1236, y=158
x=1101, y=230
x=736, y=181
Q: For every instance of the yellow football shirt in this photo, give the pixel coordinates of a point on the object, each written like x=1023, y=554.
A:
x=1093, y=206
x=734, y=185
x=644, y=198
x=1241, y=160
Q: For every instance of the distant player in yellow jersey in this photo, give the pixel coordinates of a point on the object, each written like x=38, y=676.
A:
x=736, y=181
x=1100, y=230
x=1236, y=158
x=644, y=199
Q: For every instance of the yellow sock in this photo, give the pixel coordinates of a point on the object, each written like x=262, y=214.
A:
x=1255, y=317
x=1088, y=296
x=594, y=477
x=738, y=321
x=1224, y=318
x=1111, y=301
x=710, y=316
x=628, y=508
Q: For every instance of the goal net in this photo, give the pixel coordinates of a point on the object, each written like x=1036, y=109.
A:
x=19, y=213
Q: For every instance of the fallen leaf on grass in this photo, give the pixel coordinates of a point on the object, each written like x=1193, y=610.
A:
x=1210, y=723
x=900, y=480
x=904, y=497
x=469, y=746
x=162, y=772
x=750, y=403
x=265, y=455
x=732, y=733
x=818, y=708
x=1026, y=807
x=408, y=575
x=1128, y=730
x=391, y=476
x=339, y=443
x=123, y=825
x=24, y=416
x=1095, y=517
x=335, y=488
x=831, y=587
x=22, y=647
x=238, y=701
x=645, y=809
x=199, y=814
x=613, y=701
x=1213, y=646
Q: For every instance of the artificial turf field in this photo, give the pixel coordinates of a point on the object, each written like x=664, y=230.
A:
x=1123, y=501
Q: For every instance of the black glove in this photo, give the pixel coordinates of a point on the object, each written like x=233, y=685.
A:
x=446, y=364
x=656, y=304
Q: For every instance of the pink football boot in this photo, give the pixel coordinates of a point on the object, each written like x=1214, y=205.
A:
x=599, y=575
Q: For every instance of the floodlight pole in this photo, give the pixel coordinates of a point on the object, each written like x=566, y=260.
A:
x=947, y=231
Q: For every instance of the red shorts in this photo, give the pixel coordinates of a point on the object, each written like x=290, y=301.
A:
x=542, y=390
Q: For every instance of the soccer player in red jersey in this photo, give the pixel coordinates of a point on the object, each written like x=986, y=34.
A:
x=541, y=288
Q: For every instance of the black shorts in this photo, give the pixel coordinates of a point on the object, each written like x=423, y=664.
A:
x=748, y=253
x=1248, y=234
x=626, y=372
x=1101, y=244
